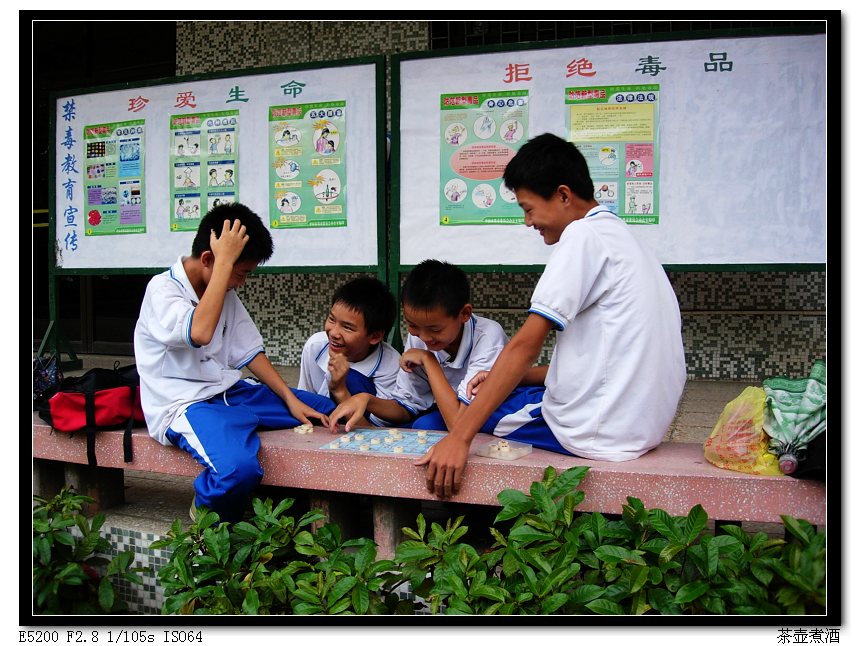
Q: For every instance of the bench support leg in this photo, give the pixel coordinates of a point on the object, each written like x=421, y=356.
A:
x=389, y=516
x=104, y=484
x=339, y=509
x=48, y=477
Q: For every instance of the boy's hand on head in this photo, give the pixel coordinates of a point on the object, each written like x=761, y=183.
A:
x=413, y=358
x=352, y=410
x=228, y=246
x=446, y=462
x=475, y=382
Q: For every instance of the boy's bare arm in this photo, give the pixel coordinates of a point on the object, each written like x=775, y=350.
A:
x=446, y=397
x=262, y=369
x=226, y=249
x=447, y=459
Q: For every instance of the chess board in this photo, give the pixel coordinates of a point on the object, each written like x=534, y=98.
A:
x=385, y=440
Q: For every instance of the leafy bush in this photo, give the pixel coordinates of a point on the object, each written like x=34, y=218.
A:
x=546, y=558
x=67, y=576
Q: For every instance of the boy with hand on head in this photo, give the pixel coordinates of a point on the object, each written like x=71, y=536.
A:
x=191, y=341
x=447, y=345
x=349, y=356
x=617, y=370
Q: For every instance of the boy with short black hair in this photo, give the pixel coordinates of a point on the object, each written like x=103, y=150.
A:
x=350, y=356
x=617, y=371
x=447, y=345
x=191, y=341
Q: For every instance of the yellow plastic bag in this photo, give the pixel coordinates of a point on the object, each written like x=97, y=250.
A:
x=738, y=441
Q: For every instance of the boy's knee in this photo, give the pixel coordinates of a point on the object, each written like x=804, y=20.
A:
x=429, y=422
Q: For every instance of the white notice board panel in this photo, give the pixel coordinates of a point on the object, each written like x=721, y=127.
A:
x=741, y=132
x=124, y=150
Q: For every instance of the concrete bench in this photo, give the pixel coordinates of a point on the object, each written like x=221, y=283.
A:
x=673, y=477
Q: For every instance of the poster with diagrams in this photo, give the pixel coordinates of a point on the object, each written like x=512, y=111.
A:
x=114, y=202
x=307, y=169
x=480, y=133
x=616, y=129
x=204, y=155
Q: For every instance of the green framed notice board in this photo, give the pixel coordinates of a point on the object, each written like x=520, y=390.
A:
x=712, y=149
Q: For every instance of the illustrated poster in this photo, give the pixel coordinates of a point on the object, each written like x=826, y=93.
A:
x=114, y=178
x=204, y=169
x=307, y=169
x=480, y=133
x=616, y=129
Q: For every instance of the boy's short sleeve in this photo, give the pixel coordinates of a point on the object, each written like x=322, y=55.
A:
x=169, y=313
x=573, y=279
x=490, y=340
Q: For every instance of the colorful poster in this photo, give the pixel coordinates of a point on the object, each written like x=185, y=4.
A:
x=480, y=133
x=114, y=178
x=307, y=169
x=617, y=130
x=204, y=154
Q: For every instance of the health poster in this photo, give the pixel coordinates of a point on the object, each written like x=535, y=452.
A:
x=204, y=169
x=114, y=184
x=307, y=169
x=616, y=129
x=480, y=133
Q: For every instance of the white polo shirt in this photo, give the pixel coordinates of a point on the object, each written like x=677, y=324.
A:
x=482, y=342
x=174, y=372
x=381, y=366
x=617, y=370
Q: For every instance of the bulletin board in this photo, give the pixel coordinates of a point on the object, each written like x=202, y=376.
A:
x=136, y=167
x=730, y=169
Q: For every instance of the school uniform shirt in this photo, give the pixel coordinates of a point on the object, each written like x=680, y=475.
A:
x=617, y=370
x=174, y=371
x=381, y=366
x=480, y=346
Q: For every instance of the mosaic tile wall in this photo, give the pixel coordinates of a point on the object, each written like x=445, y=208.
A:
x=148, y=598
x=735, y=325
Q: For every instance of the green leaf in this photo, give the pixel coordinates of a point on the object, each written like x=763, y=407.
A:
x=106, y=594
x=664, y=524
x=340, y=588
x=552, y=603
x=513, y=504
x=306, y=608
x=567, y=481
x=605, y=607
x=422, y=525
x=340, y=606
x=490, y=592
x=669, y=552
x=251, y=604
x=691, y=591
x=525, y=534
x=696, y=521
x=412, y=551
x=411, y=533
x=616, y=554
x=638, y=577
x=544, y=501
x=585, y=593
x=360, y=599
x=797, y=529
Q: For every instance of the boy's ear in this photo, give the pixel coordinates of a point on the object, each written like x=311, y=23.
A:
x=207, y=258
x=466, y=312
x=375, y=337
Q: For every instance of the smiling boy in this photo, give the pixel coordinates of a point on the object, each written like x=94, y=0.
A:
x=617, y=370
x=446, y=347
x=349, y=356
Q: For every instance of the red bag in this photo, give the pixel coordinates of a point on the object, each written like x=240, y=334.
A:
x=99, y=400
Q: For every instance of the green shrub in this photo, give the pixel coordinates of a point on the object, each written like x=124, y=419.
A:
x=67, y=576
x=546, y=558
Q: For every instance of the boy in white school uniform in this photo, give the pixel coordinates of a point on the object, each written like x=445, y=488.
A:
x=349, y=355
x=446, y=347
x=191, y=341
x=617, y=370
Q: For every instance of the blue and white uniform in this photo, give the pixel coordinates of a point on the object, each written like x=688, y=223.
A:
x=375, y=374
x=617, y=371
x=194, y=396
x=482, y=341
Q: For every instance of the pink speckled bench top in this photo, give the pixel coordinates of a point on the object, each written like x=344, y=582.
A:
x=673, y=477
